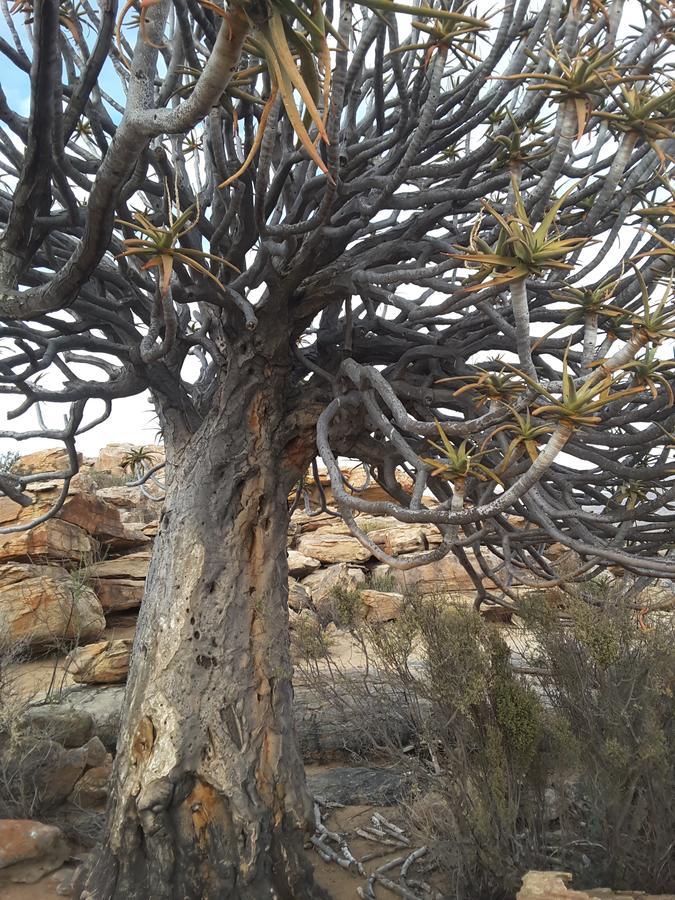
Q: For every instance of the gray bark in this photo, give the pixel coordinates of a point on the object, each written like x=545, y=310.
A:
x=209, y=799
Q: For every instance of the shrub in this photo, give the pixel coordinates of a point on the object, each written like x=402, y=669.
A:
x=572, y=767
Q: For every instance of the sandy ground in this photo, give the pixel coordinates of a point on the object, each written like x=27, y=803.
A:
x=339, y=883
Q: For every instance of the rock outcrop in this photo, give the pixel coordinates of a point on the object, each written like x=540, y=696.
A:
x=44, y=606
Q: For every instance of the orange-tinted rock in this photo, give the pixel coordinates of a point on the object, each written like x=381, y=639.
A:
x=53, y=540
x=53, y=459
x=118, y=594
x=45, y=605
x=29, y=850
x=105, y=662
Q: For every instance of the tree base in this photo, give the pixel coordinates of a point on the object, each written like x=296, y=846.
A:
x=192, y=857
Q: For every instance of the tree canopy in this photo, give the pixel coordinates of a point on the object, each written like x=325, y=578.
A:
x=460, y=220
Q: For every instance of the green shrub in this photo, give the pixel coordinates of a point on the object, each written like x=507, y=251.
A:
x=572, y=767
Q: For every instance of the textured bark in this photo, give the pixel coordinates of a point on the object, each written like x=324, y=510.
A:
x=209, y=798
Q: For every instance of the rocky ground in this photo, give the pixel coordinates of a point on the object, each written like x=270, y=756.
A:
x=69, y=594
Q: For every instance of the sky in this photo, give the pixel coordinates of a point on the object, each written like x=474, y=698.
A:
x=131, y=419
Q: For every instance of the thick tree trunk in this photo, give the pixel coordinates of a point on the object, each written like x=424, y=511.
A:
x=209, y=799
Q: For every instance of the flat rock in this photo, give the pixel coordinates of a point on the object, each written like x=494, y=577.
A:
x=52, y=540
x=29, y=850
x=358, y=785
x=396, y=539
x=118, y=594
x=329, y=547
x=446, y=575
x=53, y=459
x=322, y=582
x=131, y=565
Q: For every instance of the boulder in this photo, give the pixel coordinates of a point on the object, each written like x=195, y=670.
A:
x=381, y=606
x=99, y=707
x=29, y=850
x=101, y=519
x=325, y=730
x=105, y=662
x=300, y=565
x=91, y=789
x=323, y=583
x=118, y=594
x=53, y=539
x=65, y=725
x=45, y=605
x=329, y=547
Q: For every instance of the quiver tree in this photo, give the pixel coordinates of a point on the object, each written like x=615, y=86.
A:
x=437, y=243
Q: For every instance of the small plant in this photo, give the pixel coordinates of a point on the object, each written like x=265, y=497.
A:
x=387, y=584
x=138, y=460
x=522, y=250
x=8, y=460
x=160, y=247
x=456, y=464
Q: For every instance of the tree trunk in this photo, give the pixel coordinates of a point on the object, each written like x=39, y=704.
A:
x=209, y=799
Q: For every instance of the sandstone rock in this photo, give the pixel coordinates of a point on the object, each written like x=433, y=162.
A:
x=324, y=730
x=333, y=548
x=131, y=565
x=100, y=706
x=29, y=850
x=298, y=596
x=97, y=755
x=381, y=606
x=322, y=583
x=101, y=519
x=117, y=594
x=305, y=523
x=53, y=539
x=306, y=618
x=111, y=456
x=44, y=605
x=82, y=508
x=548, y=886
x=105, y=662
x=404, y=538
x=91, y=789
x=53, y=459
x=299, y=564
x=441, y=577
